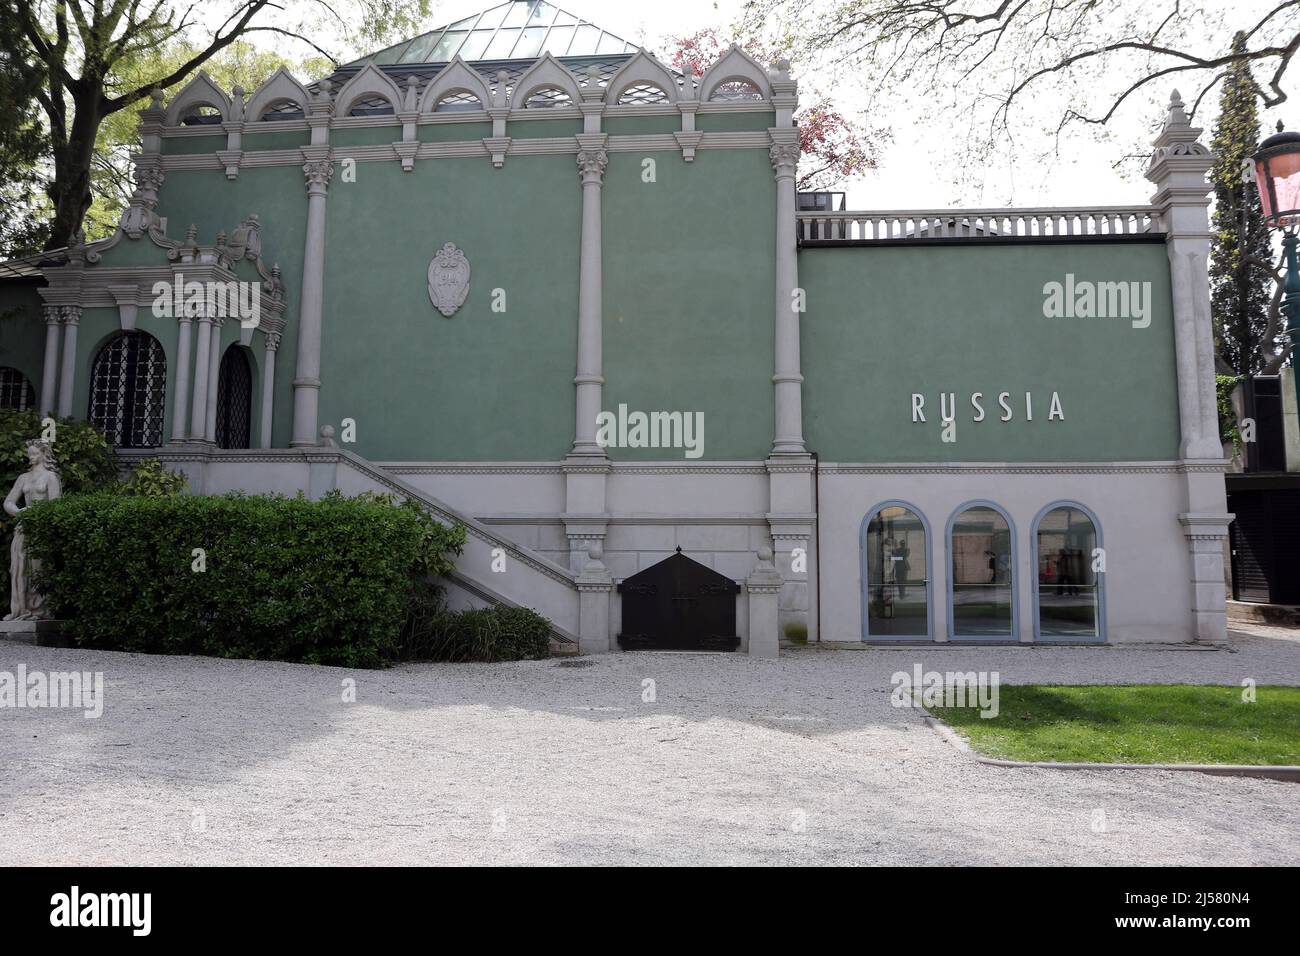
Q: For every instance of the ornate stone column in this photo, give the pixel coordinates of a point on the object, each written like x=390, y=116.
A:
x=1178, y=169
x=788, y=381
x=50, y=371
x=214, y=373
x=180, y=401
x=199, y=406
x=306, y=382
x=71, y=317
x=592, y=160
x=268, y=387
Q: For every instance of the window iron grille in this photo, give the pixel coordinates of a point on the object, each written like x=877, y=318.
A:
x=128, y=383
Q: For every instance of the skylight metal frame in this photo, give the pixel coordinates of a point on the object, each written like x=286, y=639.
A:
x=434, y=38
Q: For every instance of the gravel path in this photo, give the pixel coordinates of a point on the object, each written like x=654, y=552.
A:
x=800, y=760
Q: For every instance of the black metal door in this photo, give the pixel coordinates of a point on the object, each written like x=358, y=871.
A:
x=679, y=604
x=1265, y=539
x=234, y=400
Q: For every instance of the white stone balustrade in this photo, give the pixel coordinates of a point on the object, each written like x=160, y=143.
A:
x=902, y=225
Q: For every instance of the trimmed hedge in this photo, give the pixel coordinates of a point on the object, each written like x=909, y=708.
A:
x=497, y=633
x=326, y=582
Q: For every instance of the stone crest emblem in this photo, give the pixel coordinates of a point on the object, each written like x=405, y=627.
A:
x=448, y=279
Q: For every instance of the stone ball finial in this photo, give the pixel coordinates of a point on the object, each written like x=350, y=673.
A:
x=412, y=80
x=1176, y=99
x=595, y=550
x=156, y=98
x=765, y=553
x=238, y=90
x=503, y=76
x=327, y=436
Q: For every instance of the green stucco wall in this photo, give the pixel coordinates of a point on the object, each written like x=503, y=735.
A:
x=641, y=125
x=206, y=198
x=735, y=122
x=264, y=136
x=884, y=322
x=688, y=295
x=480, y=385
x=187, y=145
x=22, y=329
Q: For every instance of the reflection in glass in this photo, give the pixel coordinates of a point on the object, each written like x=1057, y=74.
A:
x=501, y=45
x=447, y=47
x=981, y=574
x=1067, y=583
x=531, y=42
x=475, y=45
x=897, y=590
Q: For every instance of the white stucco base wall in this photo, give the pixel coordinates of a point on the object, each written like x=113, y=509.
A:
x=1147, y=584
x=718, y=514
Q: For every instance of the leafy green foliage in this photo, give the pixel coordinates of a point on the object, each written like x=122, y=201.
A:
x=439, y=543
x=150, y=479
x=82, y=456
x=498, y=633
x=1224, y=386
x=1241, y=254
x=277, y=578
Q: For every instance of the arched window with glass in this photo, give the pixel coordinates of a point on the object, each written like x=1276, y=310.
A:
x=895, y=542
x=128, y=382
x=981, y=574
x=1069, y=600
x=16, y=391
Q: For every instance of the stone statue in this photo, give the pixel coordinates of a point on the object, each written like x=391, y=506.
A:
x=39, y=483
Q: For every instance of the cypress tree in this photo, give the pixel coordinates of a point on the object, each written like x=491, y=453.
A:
x=1241, y=244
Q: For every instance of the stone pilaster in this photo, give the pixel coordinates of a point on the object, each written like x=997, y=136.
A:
x=70, y=315
x=50, y=370
x=592, y=160
x=202, y=363
x=317, y=170
x=1178, y=169
x=180, y=401
x=594, y=588
x=763, y=587
x=214, y=374
x=788, y=380
x=268, y=387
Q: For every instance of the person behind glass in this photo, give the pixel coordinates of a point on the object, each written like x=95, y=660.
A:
x=1064, y=573
x=901, y=566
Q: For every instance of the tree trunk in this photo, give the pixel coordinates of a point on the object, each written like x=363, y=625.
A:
x=70, y=189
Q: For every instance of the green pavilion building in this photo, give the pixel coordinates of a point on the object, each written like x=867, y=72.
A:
x=523, y=272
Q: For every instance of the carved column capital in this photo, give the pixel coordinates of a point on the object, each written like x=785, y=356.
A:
x=52, y=314
x=317, y=174
x=591, y=165
x=785, y=158
x=69, y=314
x=272, y=341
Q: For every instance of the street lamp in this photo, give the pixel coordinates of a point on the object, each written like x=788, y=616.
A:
x=1277, y=174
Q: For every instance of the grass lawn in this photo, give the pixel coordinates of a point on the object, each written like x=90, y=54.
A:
x=1136, y=723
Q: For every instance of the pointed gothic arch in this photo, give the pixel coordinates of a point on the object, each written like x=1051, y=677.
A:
x=199, y=92
x=736, y=66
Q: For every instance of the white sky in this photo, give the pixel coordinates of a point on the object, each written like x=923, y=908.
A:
x=921, y=164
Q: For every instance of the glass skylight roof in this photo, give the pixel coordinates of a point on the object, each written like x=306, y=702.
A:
x=516, y=30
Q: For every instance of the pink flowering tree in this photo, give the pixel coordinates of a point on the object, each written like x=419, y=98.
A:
x=833, y=147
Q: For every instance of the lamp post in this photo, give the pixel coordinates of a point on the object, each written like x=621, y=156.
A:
x=1277, y=174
